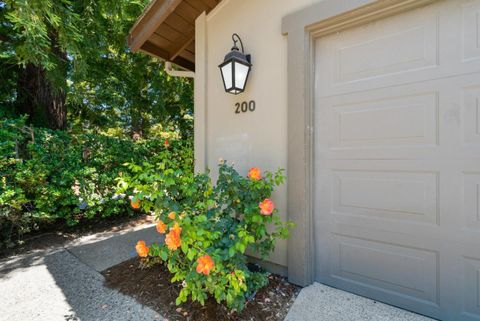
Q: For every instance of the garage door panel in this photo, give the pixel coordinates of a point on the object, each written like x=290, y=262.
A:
x=380, y=49
x=471, y=115
x=407, y=271
x=434, y=120
x=471, y=286
x=404, y=192
x=471, y=201
x=357, y=61
x=471, y=31
x=392, y=230
x=391, y=46
x=388, y=121
x=405, y=196
x=382, y=231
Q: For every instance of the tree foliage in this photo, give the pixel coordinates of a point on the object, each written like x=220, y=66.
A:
x=80, y=48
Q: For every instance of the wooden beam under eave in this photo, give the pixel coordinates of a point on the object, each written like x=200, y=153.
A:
x=179, y=48
x=187, y=55
x=150, y=22
x=151, y=49
x=154, y=50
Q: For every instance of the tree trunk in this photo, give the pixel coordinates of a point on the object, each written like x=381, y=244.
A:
x=39, y=99
x=42, y=99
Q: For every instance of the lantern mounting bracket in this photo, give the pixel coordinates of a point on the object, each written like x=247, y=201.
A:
x=236, y=38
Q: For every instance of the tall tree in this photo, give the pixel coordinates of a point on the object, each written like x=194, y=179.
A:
x=71, y=55
x=116, y=88
x=38, y=34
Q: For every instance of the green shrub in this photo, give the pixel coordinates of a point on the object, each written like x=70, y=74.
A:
x=209, y=227
x=56, y=177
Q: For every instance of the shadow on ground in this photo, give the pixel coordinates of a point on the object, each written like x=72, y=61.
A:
x=59, y=285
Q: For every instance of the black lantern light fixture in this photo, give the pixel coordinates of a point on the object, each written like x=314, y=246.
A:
x=235, y=68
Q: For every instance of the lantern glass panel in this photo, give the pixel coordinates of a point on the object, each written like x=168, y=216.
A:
x=241, y=74
x=227, y=76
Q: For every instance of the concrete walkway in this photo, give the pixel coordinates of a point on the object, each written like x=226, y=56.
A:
x=65, y=284
x=319, y=302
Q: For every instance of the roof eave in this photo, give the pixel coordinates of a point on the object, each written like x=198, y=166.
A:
x=152, y=17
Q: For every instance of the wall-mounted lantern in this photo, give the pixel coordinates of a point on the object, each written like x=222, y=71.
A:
x=235, y=68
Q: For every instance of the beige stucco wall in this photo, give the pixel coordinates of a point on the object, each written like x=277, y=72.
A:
x=249, y=139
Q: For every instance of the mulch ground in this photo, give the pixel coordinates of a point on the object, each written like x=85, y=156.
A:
x=151, y=286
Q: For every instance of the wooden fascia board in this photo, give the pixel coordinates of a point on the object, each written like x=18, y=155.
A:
x=153, y=17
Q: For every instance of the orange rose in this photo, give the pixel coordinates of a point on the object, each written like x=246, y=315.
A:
x=176, y=228
x=172, y=215
x=142, y=249
x=167, y=143
x=266, y=207
x=161, y=227
x=135, y=204
x=172, y=239
x=205, y=264
x=255, y=174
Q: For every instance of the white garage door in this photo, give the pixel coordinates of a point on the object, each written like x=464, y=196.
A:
x=397, y=160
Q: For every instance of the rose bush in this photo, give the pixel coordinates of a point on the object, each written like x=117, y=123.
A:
x=208, y=227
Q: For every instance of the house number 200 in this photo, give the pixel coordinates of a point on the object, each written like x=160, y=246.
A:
x=244, y=107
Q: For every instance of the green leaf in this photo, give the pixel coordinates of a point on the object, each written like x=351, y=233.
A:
x=191, y=254
x=241, y=247
x=164, y=255
x=184, y=247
